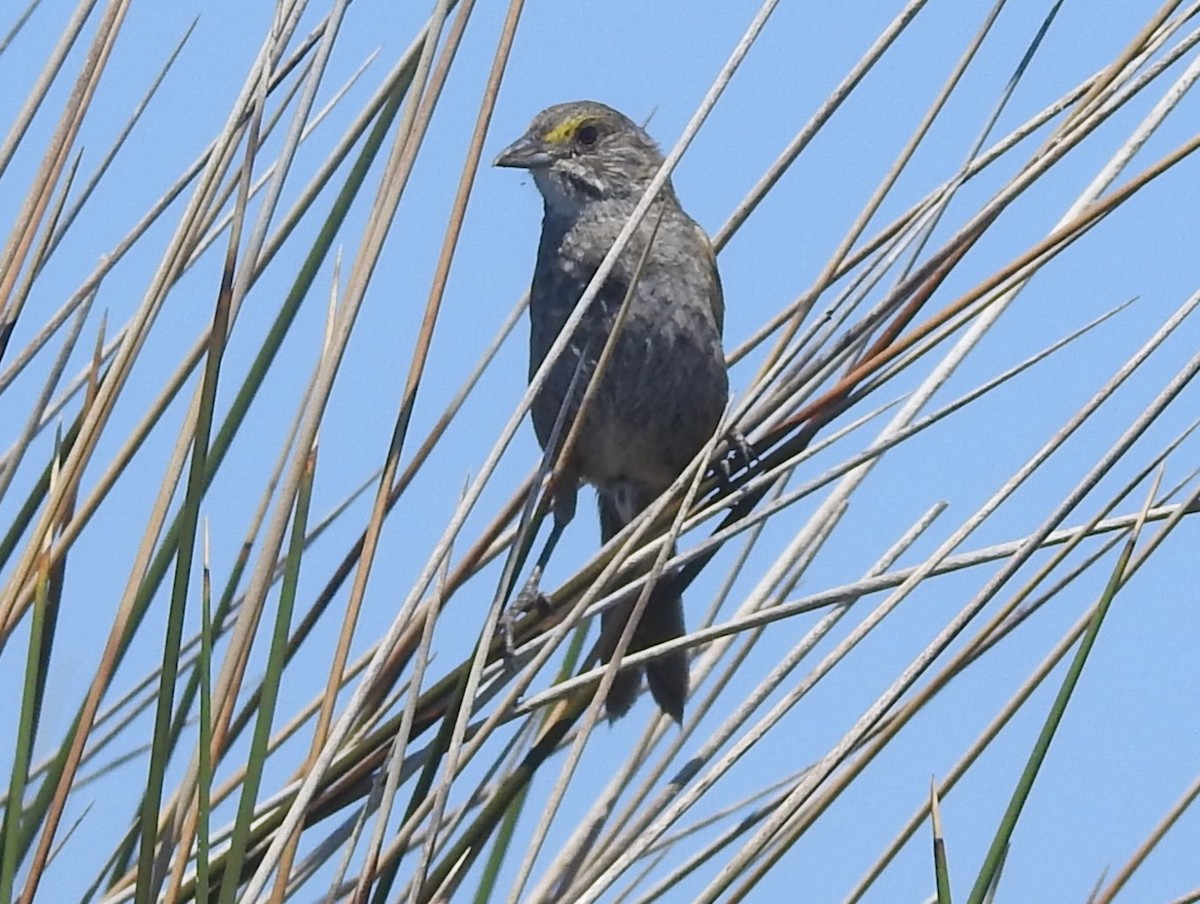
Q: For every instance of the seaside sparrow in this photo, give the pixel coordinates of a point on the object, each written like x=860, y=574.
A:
x=664, y=390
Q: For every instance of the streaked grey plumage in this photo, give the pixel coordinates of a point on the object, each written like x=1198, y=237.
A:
x=665, y=389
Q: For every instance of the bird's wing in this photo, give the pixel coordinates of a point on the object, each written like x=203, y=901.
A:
x=716, y=297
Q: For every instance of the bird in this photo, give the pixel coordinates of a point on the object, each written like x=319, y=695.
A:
x=663, y=393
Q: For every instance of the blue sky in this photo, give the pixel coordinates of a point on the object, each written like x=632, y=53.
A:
x=1129, y=744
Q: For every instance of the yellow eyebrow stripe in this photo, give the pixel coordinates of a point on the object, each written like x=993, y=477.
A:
x=564, y=130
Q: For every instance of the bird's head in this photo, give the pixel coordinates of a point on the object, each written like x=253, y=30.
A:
x=584, y=151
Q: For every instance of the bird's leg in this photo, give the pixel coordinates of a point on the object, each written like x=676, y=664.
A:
x=531, y=597
x=740, y=455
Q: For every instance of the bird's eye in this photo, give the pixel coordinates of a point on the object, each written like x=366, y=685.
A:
x=586, y=135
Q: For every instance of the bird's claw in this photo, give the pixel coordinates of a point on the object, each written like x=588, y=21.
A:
x=530, y=599
x=740, y=455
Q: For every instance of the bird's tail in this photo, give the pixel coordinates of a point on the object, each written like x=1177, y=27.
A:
x=662, y=620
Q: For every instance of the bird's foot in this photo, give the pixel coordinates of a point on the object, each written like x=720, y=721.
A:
x=530, y=599
x=740, y=456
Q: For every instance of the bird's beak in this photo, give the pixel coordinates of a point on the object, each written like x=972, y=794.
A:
x=527, y=152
